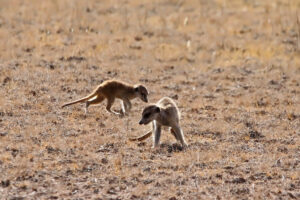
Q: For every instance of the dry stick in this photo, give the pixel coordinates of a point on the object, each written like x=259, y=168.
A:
x=126, y=25
x=298, y=38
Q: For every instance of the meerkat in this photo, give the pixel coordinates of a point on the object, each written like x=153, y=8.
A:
x=164, y=113
x=110, y=90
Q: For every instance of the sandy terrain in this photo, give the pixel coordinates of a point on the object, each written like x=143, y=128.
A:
x=233, y=68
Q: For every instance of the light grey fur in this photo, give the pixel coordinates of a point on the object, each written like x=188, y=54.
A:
x=163, y=113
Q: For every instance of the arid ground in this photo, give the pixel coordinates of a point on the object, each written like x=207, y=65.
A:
x=232, y=66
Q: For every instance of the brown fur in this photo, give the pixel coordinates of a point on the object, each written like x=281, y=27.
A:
x=111, y=90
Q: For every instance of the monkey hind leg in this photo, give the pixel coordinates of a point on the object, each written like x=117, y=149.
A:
x=96, y=100
x=156, y=135
x=174, y=134
x=177, y=132
x=110, y=102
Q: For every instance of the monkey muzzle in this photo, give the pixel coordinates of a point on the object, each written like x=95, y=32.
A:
x=143, y=121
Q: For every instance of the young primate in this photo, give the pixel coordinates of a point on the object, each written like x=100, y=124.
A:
x=111, y=90
x=163, y=113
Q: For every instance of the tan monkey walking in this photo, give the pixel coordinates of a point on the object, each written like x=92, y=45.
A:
x=163, y=113
x=110, y=90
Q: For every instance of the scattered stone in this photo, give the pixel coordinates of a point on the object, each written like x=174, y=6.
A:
x=174, y=148
x=134, y=197
x=5, y=183
x=111, y=191
x=33, y=93
x=175, y=96
x=240, y=191
x=137, y=47
x=17, y=198
x=106, y=148
x=146, y=182
x=262, y=102
x=14, y=152
x=228, y=167
x=6, y=80
x=51, y=66
x=104, y=161
x=138, y=38
x=239, y=180
x=255, y=134
x=272, y=82
x=2, y=134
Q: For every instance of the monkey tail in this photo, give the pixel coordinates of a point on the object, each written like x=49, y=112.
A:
x=81, y=100
x=142, y=137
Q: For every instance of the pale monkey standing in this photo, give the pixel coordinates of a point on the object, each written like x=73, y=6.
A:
x=163, y=113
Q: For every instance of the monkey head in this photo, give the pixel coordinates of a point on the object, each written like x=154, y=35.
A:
x=142, y=92
x=149, y=114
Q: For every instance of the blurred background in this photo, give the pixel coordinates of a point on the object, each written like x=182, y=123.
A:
x=206, y=33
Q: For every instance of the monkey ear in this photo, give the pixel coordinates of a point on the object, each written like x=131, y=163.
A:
x=157, y=109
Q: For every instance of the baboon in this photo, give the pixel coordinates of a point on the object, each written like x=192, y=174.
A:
x=110, y=90
x=163, y=113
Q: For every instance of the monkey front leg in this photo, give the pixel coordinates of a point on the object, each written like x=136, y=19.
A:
x=156, y=134
x=126, y=106
x=123, y=108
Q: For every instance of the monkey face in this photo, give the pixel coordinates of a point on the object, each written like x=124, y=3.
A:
x=149, y=114
x=142, y=92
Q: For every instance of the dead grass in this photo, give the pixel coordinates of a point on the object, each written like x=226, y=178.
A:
x=232, y=66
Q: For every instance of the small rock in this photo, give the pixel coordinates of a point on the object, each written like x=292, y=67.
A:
x=137, y=47
x=5, y=183
x=51, y=66
x=255, y=134
x=3, y=134
x=175, y=97
x=272, y=82
x=104, y=161
x=112, y=191
x=6, y=80
x=17, y=198
x=146, y=182
x=33, y=93
x=239, y=180
x=138, y=38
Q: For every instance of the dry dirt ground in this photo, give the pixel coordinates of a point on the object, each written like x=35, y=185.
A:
x=233, y=67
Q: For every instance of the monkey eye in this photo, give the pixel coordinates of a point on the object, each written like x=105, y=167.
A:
x=147, y=115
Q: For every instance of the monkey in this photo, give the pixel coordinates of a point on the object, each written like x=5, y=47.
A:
x=110, y=90
x=164, y=113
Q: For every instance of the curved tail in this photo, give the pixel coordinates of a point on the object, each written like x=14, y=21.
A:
x=142, y=137
x=81, y=100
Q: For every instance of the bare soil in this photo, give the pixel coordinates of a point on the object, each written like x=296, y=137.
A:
x=232, y=66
